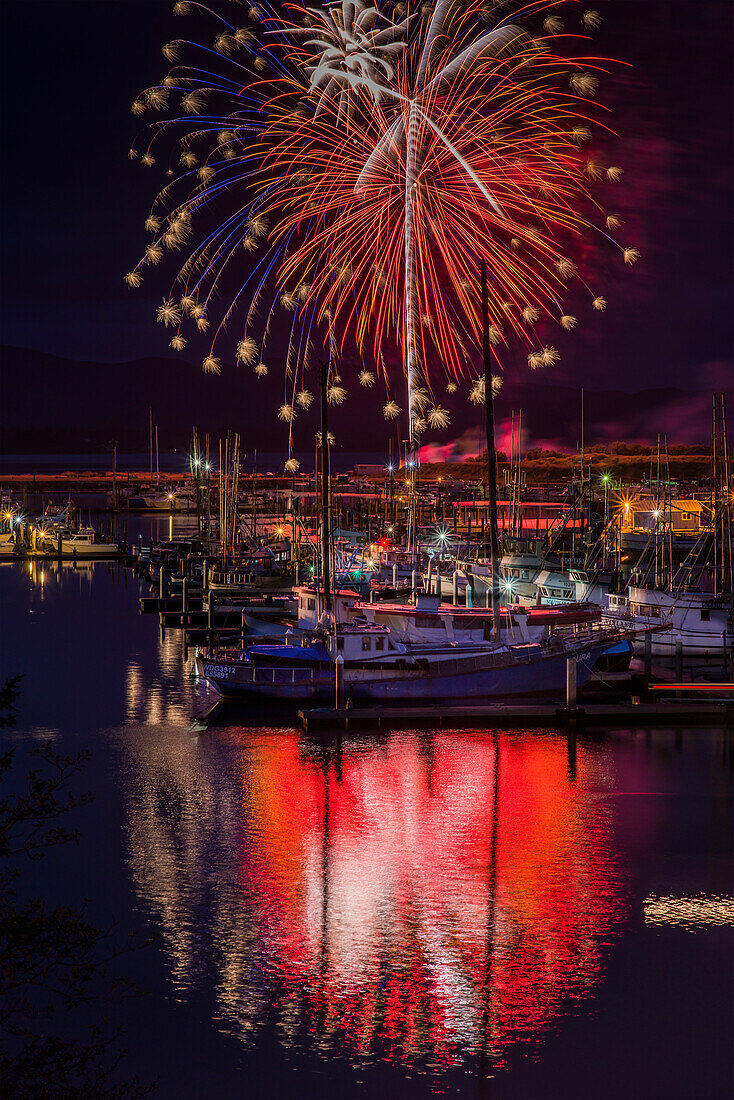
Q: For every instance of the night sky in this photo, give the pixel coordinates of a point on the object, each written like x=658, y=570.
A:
x=73, y=203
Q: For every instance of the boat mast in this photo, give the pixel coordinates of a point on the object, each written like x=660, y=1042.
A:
x=656, y=517
x=582, y=437
x=325, y=488
x=727, y=497
x=715, y=496
x=494, y=557
x=669, y=513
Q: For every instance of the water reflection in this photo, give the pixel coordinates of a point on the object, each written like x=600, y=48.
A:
x=689, y=913
x=155, y=695
x=426, y=898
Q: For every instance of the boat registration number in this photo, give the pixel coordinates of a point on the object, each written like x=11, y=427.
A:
x=216, y=670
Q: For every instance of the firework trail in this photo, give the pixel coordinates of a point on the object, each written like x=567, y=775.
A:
x=353, y=164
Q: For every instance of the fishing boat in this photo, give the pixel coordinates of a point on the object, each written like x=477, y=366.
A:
x=266, y=569
x=427, y=621
x=377, y=668
x=526, y=577
x=695, y=622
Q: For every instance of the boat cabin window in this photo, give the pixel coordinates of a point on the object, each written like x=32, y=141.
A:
x=379, y=643
x=705, y=616
x=366, y=643
x=312, y=605
x=340, y=643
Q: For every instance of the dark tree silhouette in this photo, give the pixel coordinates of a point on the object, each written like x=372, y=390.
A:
x=54, y=964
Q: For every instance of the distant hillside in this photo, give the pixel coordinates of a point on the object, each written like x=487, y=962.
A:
x=50, y=404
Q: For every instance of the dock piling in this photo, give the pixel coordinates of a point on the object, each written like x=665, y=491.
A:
x=571, y=683
x=339, y=677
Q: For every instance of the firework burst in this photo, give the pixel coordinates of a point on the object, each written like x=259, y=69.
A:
x=351, y=165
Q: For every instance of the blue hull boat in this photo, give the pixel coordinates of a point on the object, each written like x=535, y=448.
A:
x=302, y=674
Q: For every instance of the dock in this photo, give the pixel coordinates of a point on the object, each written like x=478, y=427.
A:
x=670, y=712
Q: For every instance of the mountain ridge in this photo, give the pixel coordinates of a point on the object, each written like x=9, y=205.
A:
x=53, y=403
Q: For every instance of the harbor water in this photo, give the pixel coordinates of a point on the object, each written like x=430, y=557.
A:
x=412, y=913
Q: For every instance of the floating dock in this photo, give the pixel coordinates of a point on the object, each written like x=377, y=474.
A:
x=670, y=712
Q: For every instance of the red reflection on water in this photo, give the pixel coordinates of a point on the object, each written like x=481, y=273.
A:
x=429, y=895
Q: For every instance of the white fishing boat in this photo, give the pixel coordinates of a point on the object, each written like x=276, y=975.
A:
x=526, y=577
x=593, y=585
x=698, y=623
x=427, y=621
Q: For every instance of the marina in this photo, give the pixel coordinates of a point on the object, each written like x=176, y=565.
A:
x=313, y=693
x=262, y=615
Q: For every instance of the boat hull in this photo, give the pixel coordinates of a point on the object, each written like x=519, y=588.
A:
x=448, y=681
